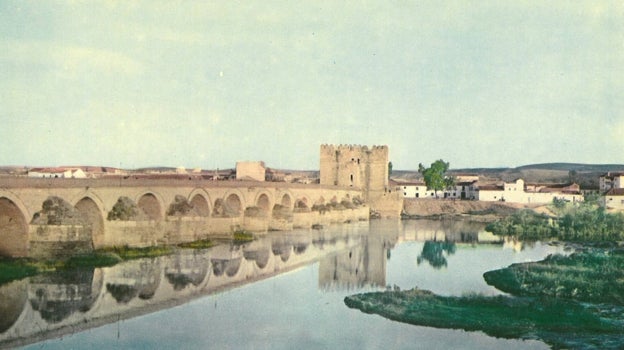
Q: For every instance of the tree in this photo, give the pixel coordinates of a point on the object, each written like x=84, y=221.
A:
x=434, y=175
x=389, y=169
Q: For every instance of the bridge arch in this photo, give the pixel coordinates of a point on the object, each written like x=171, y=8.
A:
x=92, y=212
x=233, y=203
x=264, y=202
x=282, y=209
x=151, y=204
x=14, y=236
x=302, y=204
x=200, y=200
x=285, y=199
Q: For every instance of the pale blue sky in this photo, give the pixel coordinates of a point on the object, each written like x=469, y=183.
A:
x=198, y=84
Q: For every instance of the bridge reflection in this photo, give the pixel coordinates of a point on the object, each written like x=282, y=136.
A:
x=350, y=257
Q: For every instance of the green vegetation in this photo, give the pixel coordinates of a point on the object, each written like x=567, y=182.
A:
x=560, y=323
x=180, y=206
x=125, y=209
x=16, y=269
x=200, y=244
x=96, y=259
x=56, y=211
x=524, y=224
x=434, y=176
x=595, y=275
x=242, y=236
x=128, y=253
x=584, y=223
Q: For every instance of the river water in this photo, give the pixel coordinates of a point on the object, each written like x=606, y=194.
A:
x=282, y=291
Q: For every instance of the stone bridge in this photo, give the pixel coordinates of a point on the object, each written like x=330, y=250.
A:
x=43, y=217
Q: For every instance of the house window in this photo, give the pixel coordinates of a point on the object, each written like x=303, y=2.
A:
x=416, y=195
x=405, y=193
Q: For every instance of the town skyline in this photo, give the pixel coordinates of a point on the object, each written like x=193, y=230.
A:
x=190, y=84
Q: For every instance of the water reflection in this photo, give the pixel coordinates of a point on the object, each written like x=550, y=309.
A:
x=13, y=298
x=182, y=270
x=435, y=253
x=140, y=278
x=349, y=257
x=57, y=296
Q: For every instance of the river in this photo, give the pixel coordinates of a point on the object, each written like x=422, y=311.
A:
x=283, y=291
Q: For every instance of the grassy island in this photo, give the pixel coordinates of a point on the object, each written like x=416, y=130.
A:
x=242, y=236
x=594, y=275
x=558, y=322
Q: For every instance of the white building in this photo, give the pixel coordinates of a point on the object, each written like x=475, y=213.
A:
x=255, y=171
x=611, y=180
x=64, y=173
x=614, y=199
x=416, y=189
x=519, y=192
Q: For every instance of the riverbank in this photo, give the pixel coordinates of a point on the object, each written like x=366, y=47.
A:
x=477, y=211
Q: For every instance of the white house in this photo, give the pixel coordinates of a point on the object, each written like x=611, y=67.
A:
x=614, y=199
x=416, y=189
x=611, y=180
x=64, y=173
x=519, y=192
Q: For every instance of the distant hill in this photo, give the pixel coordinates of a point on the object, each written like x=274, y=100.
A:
x=575, y=167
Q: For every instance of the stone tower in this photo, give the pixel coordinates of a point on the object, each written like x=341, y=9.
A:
x=355, y=166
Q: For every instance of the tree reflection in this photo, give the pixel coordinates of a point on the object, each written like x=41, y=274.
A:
x=435, y=253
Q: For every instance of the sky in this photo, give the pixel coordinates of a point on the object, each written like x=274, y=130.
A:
x=205, y=84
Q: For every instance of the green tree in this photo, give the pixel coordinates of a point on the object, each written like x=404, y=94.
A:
x=389, y=169
x=434, y=175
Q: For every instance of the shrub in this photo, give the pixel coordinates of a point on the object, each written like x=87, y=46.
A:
x=125, y=209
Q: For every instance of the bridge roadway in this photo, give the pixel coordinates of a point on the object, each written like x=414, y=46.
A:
x=43, y=217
